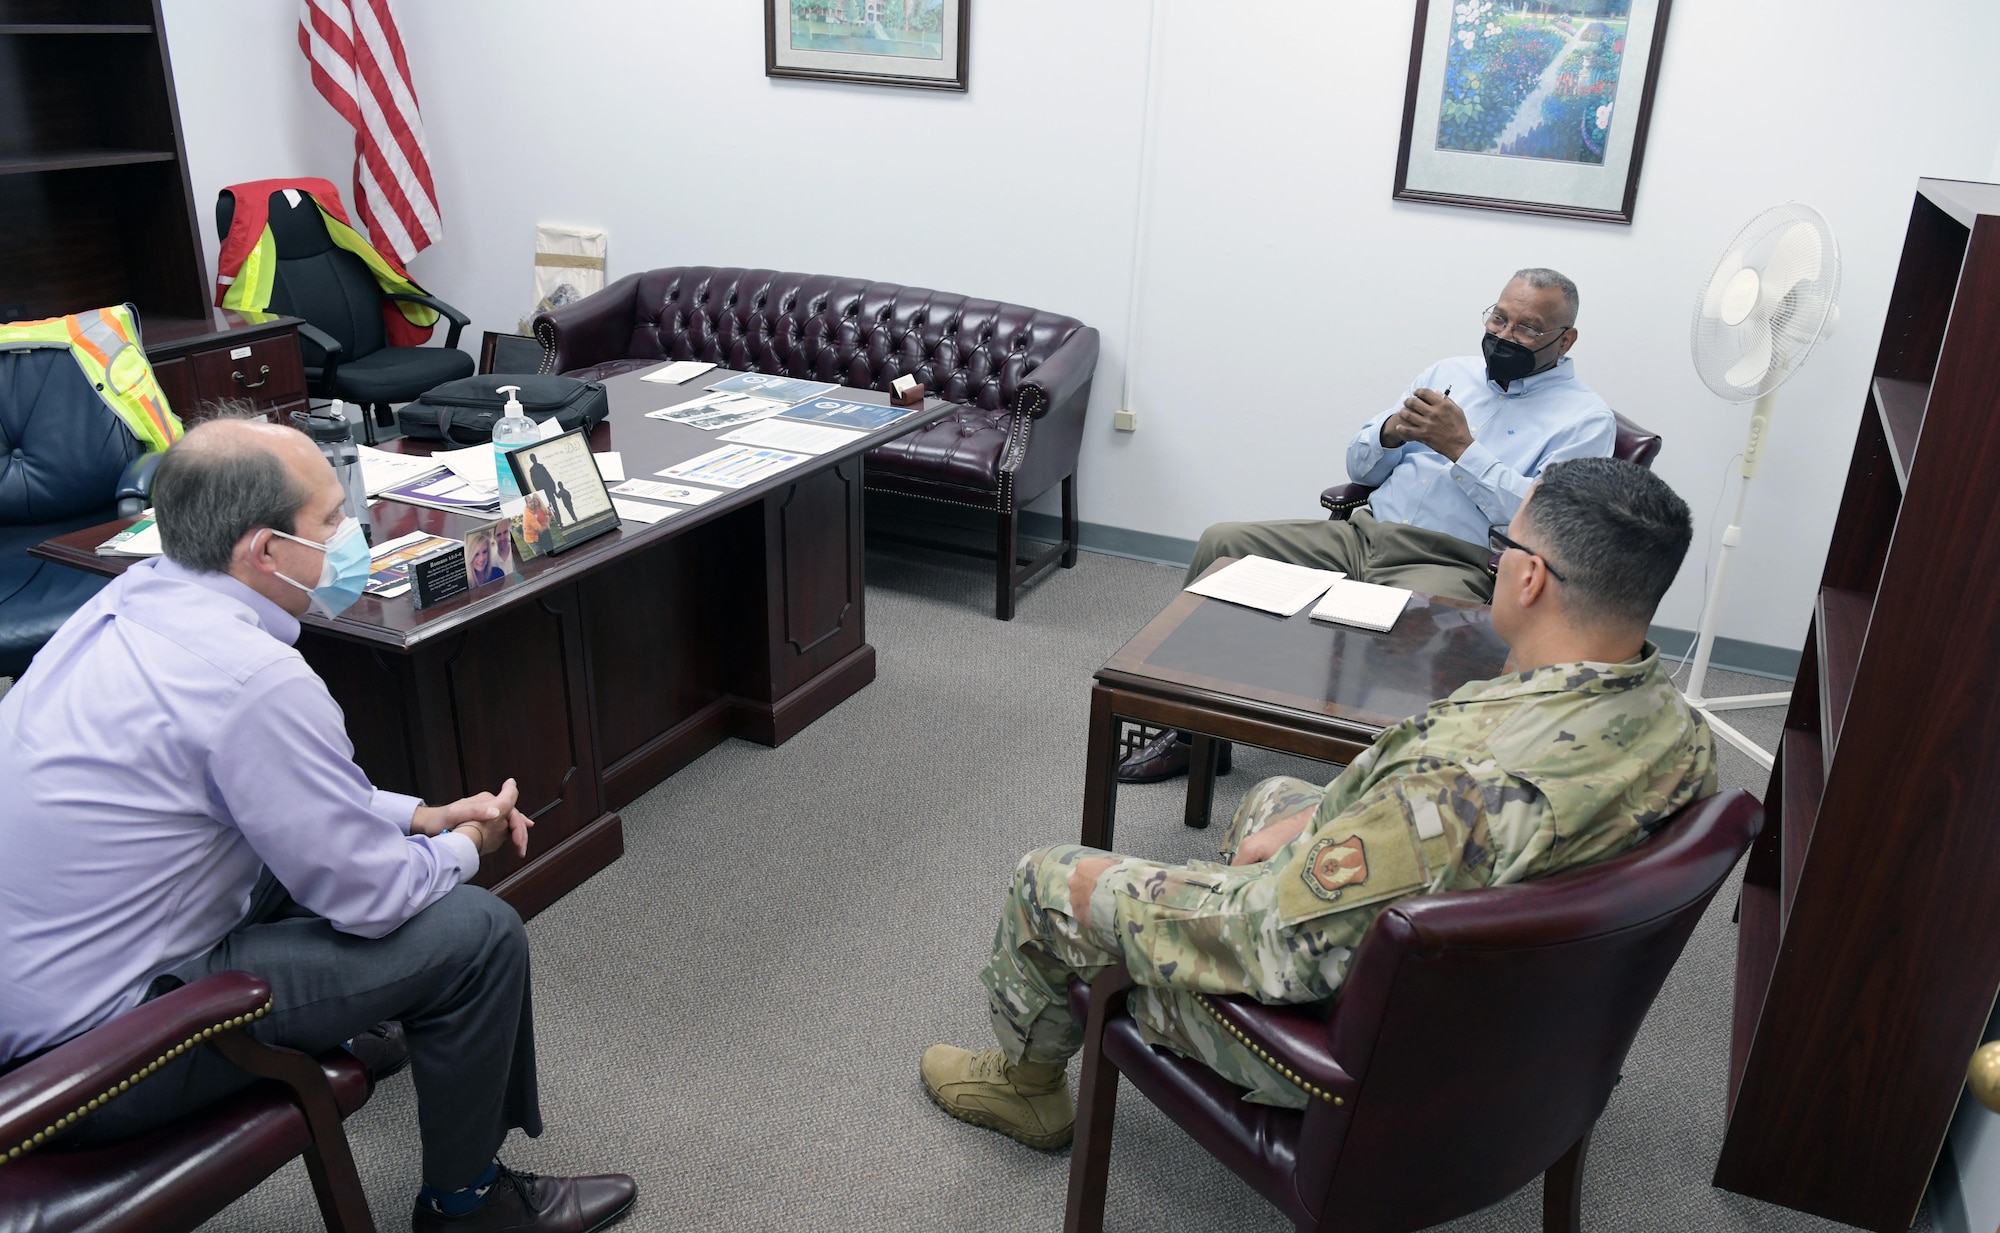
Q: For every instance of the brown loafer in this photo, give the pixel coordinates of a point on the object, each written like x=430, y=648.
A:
x=382, y=1049
x=526, y=1203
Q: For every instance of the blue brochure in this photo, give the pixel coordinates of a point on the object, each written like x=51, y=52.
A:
x=779, y=389
x=843, y=414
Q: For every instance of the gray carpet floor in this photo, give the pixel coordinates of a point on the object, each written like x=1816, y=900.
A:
x=733, y=1012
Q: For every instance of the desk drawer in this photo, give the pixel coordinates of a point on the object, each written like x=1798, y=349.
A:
x=268, y=372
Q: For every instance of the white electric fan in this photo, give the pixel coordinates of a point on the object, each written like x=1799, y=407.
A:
x=1768, y=303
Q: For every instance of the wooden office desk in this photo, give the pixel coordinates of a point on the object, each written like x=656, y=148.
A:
x=1292, y=684
x=591, y=676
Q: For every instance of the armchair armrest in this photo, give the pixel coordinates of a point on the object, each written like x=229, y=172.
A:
x=135, y=484
x=61, y=1085
x=327, y=343
x=458, y=319
x=1058, y=380
x=1343, y=499
x=594, y=329
x=1291, y=1039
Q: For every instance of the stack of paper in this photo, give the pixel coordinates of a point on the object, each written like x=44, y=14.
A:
x=1362, y=604
x=382, y=470
x=141, y=539
x=677, y=372
x=783, y=434
x=1274, y=586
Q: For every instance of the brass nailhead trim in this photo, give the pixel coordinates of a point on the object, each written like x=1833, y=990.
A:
x=1296, y=1079
x=30, y=1144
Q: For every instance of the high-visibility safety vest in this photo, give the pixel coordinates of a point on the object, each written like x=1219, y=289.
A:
x=104, y=342
x=248, y=262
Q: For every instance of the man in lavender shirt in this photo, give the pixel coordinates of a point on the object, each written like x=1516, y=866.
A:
x=181, y=799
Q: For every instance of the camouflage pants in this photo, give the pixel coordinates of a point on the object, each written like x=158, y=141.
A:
x=1201, y=927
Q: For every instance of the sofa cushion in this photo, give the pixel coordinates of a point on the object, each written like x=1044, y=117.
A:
x=964, y=449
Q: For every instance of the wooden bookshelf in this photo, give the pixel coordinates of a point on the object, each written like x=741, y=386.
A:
x=1868, y=954
x=95, y=204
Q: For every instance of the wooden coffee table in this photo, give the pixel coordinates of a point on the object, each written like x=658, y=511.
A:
x=1291, y=684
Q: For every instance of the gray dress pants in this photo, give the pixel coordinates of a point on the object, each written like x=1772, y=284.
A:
x=455, y=975
x=1389, y=553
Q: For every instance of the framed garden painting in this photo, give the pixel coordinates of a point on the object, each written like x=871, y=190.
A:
x=1539, y=106
x=876, y=42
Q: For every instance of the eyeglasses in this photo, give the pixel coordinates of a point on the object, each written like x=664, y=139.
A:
x=1499, y=541
x=1496, y=323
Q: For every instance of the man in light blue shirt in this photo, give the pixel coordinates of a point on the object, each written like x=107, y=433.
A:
x=181, y=798
x=1454, y=457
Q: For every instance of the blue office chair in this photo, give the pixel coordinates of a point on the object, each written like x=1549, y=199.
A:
x=66, y=462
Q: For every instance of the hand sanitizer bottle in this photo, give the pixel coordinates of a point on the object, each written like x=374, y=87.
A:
x=512, y=430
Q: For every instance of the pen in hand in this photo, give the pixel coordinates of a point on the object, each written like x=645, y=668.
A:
x=1447, y=391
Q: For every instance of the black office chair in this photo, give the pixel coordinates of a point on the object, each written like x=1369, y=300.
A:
x=345, y=343
x=66, y=462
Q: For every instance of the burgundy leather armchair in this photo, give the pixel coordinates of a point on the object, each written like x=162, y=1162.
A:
x=178, y=1176
x=1020, y=378
x=1553, y=977
x=1634, y=444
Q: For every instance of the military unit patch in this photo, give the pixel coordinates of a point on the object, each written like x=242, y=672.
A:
x=1334, y=866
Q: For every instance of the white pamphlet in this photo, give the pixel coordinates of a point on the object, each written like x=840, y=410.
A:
x=783, y=434
x=611, y=465
x=474, y=464
x=677, y=372
x=679, y=494
x=1362, y=604
x=382, y=470
x=1274, y=586
x=734, y=466
x=639, y=511
x=723, y=410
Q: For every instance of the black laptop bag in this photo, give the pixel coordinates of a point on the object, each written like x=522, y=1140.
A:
x=463, y=412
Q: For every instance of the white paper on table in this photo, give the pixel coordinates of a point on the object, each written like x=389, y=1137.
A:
x=474, y=464
x=682, y=494
x=378, y=551
x=611, y=465
x=639, y=511
x=677, y=372
x=550, y=427
x=735, y=466
x=1273, y=586
x=382, y=470
x=782, y=434
x=145, y=543
x=1366, y=605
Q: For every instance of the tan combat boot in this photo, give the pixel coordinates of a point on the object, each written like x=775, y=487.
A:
x=1028, y=1101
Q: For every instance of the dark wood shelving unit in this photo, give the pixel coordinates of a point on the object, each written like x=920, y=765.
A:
x=95, y=203
x=1868, y=953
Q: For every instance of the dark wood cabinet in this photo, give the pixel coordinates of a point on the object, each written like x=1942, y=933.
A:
x=228, y=355
x=1868, y=956
x=95, y=206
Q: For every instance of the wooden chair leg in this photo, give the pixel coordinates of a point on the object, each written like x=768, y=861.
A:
x=343, y=1204
x=1562, y=1190
x=1069, y=521
x=1004, y=551
x=1096, y=1108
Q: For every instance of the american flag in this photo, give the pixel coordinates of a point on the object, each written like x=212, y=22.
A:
x=358, y=65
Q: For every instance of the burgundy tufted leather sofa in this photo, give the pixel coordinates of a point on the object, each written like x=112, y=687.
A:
x=1020, y=378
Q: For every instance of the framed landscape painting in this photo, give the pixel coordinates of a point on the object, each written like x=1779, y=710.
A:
x=875, y=42
x=1532, y=105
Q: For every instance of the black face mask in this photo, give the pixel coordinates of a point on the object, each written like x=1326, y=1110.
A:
x=1508, y=361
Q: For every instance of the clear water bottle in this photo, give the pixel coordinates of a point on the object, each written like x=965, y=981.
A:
x=330, y=431
x=511, y=431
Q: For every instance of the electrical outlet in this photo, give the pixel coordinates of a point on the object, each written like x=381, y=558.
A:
x=1126, y=420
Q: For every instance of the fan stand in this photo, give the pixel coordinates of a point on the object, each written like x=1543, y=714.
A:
x=1753, y=451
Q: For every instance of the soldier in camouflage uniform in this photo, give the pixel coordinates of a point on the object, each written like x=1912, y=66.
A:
x=1574, y=758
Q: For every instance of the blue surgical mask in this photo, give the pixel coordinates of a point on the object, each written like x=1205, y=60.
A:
x=343, y=573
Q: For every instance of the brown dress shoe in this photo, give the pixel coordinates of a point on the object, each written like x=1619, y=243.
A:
x=525, y=1203
x=382, y=1049
x=1166, y=756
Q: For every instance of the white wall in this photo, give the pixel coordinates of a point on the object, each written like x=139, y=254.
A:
x=1273, y=245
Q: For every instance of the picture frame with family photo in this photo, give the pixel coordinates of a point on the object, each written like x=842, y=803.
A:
x=574, y=505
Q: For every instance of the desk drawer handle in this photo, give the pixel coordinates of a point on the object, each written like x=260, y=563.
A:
x=263, y=377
